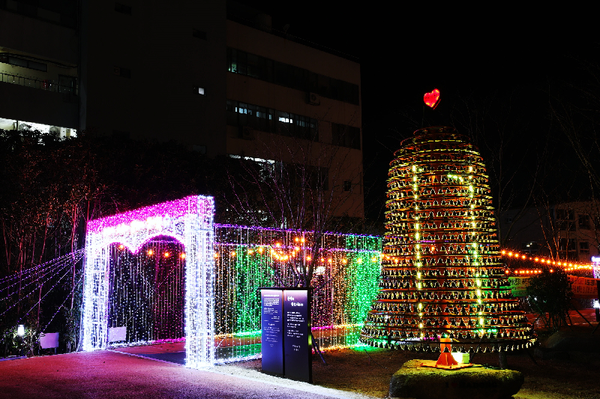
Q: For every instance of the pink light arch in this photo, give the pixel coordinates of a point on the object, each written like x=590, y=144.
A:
x=190, y=221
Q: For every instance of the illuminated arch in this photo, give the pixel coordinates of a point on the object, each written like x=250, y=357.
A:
x=190, y=221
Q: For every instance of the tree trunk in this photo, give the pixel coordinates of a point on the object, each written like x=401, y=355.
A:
x=73, y=229
x=502, y=360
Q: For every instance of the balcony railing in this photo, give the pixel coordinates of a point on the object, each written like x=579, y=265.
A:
x=46, y=84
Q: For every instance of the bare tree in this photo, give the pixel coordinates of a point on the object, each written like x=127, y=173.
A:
x=300, y=184
x=574, y=108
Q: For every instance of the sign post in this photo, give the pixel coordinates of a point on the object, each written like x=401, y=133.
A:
x=272, y=330
x=297, y=345
x=286, y=327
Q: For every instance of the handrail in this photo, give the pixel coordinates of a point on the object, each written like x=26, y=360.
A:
x=44, y=84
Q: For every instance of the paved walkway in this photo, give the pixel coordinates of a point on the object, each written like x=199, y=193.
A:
x=107, y=374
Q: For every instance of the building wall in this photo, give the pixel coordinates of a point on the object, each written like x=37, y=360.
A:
x=344, y=164
x=148, y=59
x=35, y=36
x=141, y=67
x=43, y=53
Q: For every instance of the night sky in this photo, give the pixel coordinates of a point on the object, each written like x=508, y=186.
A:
x=502, y=65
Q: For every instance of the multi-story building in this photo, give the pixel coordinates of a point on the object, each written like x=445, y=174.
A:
x=39, y=62
x=211, y=74
x=567, y=231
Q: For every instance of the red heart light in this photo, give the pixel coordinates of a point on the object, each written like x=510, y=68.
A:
x=432, y=99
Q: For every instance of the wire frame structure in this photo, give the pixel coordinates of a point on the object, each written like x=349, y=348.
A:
x=442, y=275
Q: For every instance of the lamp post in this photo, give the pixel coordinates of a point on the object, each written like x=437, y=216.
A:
x=21, y=338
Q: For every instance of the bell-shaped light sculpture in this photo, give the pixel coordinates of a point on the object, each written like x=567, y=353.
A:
x=442, y=275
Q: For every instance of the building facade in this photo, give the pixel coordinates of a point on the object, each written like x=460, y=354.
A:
x=211, y=74
x=566, y=231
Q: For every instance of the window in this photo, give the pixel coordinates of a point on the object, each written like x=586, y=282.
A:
x=20, y=61
x=302, y=176
x=67, y=84
x=264, y=168
x=584, y=247
x=567, y=244
x=530, y=247
x=320, y=178
x=284, y=117
x=324, y=86
x=584, y=222
x=565, y=219
x=567, y=248
x=270, y=120
x=236, y=61
x=298, y=126
x=258, y=67
x=565, y=214
x=345, y=136
x=254, y=66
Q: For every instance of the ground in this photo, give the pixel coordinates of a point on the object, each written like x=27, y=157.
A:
x=352, y=372
x=368, y=371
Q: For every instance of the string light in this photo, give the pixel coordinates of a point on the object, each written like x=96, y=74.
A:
x=19, y=288
x=144, y=293
x=190, y=222
x=58, y=283
x=344, y=283
x=520, y=263
x=244, y=259
x=76, y=287
x=442, y=274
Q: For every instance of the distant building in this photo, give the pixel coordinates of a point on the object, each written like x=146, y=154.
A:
x=566, y=231
x=211, y=74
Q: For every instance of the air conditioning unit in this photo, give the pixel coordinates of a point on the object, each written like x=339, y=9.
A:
x=247, y=133
x=313, y=99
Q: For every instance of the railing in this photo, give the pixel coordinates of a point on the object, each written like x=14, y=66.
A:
x=45, y=84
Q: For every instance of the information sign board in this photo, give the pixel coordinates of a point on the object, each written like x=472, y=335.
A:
x=297, y=345
x=286, y=332
x=272, y=330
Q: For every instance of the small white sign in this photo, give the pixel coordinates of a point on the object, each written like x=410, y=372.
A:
x=49, y=340
x=117, y=334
